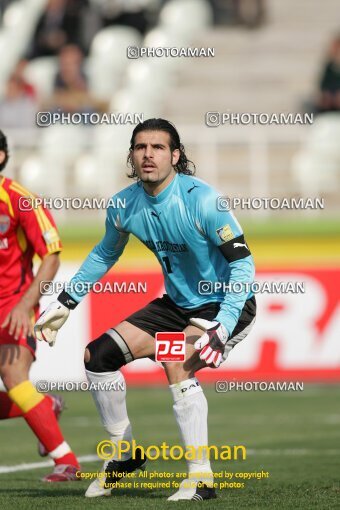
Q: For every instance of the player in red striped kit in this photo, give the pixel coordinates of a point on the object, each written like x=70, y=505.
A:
x=24, y=232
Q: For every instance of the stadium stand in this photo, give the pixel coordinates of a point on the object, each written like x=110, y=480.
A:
x=316, y=167
x=41, y=72
x=19, y=21
x=107, y=60
x=288, y=48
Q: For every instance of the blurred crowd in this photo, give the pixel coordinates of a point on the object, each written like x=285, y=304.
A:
x=65, y=31
x=328, y=99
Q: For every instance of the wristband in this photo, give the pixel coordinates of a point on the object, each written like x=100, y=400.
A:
x=65, y=299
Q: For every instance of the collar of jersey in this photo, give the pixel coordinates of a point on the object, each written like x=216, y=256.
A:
x=163, y=195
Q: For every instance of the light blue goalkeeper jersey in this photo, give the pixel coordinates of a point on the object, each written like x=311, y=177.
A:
x=192, y=239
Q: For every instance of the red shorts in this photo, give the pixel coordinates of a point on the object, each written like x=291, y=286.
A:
x=6, y=306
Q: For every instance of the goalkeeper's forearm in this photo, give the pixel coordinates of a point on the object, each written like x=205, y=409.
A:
x=96, y=265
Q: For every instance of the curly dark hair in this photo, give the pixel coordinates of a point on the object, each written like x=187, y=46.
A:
x=183, y=165
x=3, y=148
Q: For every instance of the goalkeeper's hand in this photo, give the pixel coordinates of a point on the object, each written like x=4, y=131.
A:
x=50, y=321
x=212, y=344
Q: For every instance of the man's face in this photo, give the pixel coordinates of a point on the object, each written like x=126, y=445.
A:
x=152, y=157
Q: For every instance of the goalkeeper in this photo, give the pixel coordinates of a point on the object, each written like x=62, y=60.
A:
x=176, y=216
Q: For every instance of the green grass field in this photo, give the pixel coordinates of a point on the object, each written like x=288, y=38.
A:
x=295, y=436
x=274, y=243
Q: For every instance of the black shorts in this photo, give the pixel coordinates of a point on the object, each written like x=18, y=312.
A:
x=162, y=314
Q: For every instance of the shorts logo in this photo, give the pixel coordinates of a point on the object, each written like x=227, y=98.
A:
x=225, y=233
x=170, y=346
x=5, y=222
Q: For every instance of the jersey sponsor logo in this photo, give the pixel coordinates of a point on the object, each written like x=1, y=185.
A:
x=4, y=244
x=5, y=222
x=170, y=346
x=165, y=246
x=225, y=233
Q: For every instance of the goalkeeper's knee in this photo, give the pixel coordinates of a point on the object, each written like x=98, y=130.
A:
x=107, y=353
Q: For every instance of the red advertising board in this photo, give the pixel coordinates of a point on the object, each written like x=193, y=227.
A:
x=296, y=335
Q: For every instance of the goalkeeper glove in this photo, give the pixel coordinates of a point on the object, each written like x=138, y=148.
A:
x=212, y=344
x=51, y=320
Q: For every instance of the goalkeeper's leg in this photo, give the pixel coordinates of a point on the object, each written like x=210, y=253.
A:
x=191, y=413
x=103, y=359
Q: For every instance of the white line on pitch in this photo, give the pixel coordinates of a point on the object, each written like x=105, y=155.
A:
x=37, y=465
x=93, y=458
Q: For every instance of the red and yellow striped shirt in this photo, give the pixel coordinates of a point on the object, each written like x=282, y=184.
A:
x=24, y=232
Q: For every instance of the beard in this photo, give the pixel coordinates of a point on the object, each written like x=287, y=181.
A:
x=149, y=178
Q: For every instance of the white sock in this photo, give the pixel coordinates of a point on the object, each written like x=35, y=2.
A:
x=111, y=405
x=191, y=413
